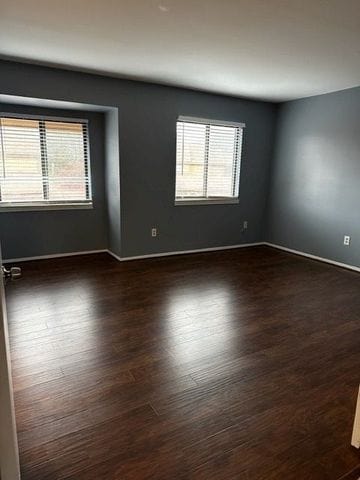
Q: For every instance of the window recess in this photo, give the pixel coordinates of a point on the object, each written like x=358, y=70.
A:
x=208, y=160
x=44, y=163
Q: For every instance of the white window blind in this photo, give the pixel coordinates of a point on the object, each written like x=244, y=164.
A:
x=43, y=162
x=208, y=156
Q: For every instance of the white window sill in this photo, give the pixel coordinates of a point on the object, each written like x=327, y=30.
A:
x=206, y=201
x=35, y=207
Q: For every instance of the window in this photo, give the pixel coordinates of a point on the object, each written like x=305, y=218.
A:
x=208, y=155
x=44, y=163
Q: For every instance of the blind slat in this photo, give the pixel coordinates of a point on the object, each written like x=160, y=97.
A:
x=43, y=160
x=207, y=159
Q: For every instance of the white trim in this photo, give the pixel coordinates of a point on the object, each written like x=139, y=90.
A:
x=114, y=255
x=9, y=452
x=137, y=257
x=188, y=201
x=184, y=252
x=33, y=207
x=355, y=439
x=313, y=257
x=210, y=121
x=55, y=255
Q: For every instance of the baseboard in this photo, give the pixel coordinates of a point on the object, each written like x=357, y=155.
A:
x=55, y=255
x=313, y=257
x=114, y=255
x=185, y=252
x=136, y=257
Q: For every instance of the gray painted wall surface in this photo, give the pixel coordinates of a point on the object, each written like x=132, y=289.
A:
x=147, y=116
x=112, y=181
x=315, y=181
x=27, y=234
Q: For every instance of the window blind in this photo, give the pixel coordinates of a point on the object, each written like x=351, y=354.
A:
x=43, y=162
x=208, y=155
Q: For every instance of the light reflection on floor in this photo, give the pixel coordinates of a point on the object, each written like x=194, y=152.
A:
x=52, y=312
x=190, y=310
x=184, y=313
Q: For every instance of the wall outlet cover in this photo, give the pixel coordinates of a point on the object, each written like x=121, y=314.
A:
x=347, y=239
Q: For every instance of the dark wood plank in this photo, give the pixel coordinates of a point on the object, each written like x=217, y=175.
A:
x=238, y=364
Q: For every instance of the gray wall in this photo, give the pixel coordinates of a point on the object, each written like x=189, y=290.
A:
x=112, y=181
x=314, y=198
x=27, y=234
x=147, y=116
x=147, y=153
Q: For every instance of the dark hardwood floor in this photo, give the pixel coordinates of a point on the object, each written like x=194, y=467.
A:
x=242, y=364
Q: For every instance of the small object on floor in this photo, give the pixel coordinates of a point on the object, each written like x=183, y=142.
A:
x=13, y=273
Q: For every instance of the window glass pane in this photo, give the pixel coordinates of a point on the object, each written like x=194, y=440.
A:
x=66, y=165
x=43, y=161
x=20, y=166
x=221, y=161
x=190, y=155
x=207, y=160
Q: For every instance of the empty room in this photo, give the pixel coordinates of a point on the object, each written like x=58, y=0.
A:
x=180, y=240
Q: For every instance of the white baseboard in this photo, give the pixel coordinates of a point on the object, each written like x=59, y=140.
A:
x=184, y=252
x=114, y=255
x=55, y=255
x=313, y=257
x=125, y=259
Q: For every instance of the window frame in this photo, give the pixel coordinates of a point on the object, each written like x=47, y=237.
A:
x=192, y=201
x=48, y=204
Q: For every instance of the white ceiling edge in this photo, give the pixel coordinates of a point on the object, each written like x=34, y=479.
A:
x=157, y=81
x=266, y=50
x=131, y=78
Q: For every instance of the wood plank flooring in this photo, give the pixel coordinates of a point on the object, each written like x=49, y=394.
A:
x=240, y=364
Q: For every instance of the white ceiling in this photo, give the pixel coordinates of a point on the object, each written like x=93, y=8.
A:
x=267, y=49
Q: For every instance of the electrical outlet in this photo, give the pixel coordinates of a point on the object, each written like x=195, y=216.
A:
x=245, y=224
x=347, y=239
x=154, y=232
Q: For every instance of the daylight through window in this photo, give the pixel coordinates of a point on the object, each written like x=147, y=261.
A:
x=43, y=162
x=208, y=157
